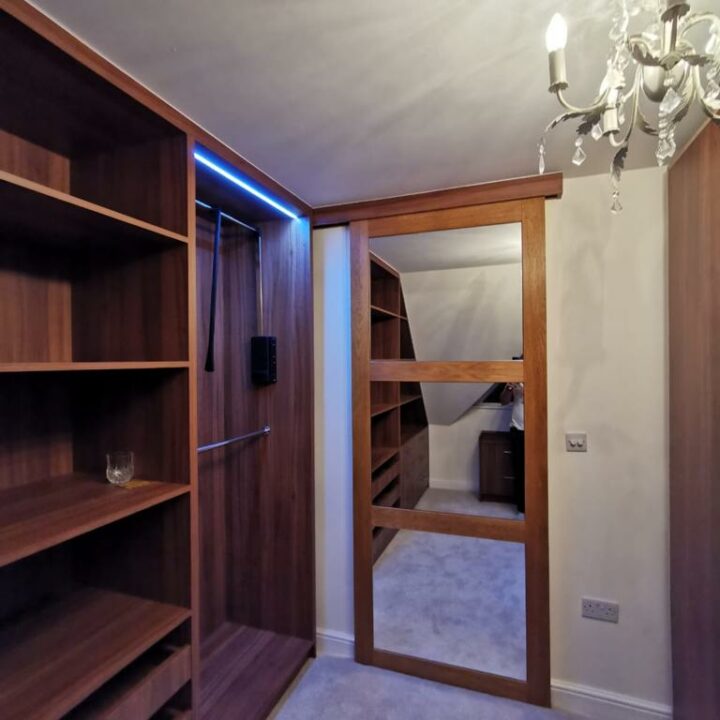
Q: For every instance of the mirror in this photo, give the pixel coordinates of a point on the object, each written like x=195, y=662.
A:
x=449, y=447
x=458, y=295
x=451, y=599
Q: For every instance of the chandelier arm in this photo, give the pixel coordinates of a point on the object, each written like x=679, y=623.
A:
x=635, y=92
x=697, y=18
x=699, y=92
x=598, y=105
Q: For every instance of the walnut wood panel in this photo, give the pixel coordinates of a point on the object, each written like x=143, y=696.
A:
x=86, y=57
x=415, y=464
x=694, y=311
x=246, y=671
x=33, y=162
x=277, y=588
x=497, y=479
x=40, y=367
x=549, y=185
x=45, y=670
x=451, y=675
x=362, y=445
x=446, y=371
x=35, y=305
x=131, y=308
x=147, y=181
x=450, y=523
x=141, y=689
x=537, y=582
x=451, y=219
x=124, y=410
x=221, y=414
x=39, y=515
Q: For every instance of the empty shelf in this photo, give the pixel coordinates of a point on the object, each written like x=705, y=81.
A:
x=37, y=516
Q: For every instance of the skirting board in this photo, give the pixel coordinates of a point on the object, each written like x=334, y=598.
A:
x=597, y=704
x=588, y=702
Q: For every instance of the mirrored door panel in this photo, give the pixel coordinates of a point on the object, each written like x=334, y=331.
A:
x=453, y=600
x=448, y=295
x=449, y=447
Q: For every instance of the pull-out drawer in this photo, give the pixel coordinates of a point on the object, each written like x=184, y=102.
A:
x=140, y=690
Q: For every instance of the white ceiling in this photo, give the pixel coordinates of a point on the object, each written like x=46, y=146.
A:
x=449, y=249
x=343, y=101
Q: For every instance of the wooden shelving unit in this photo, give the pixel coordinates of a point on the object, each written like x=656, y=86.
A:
x=104, y=271
x=95, y=356
x=54, y=658
x=400, y=460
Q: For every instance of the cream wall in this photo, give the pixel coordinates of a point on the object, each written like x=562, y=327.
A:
x=454, y=451
x=607, y=373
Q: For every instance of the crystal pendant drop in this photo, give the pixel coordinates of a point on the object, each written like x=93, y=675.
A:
x=616, y=207
x=541, y=156
x=596, y=131
x=671, y=102
x=713, y=90
x=713, y=44
x=580, y=155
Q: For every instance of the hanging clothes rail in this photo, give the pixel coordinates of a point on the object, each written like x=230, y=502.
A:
x=231, y=441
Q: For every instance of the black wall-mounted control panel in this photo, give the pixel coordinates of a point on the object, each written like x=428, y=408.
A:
x=263, y=359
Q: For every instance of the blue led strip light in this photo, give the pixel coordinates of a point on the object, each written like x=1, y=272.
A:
x=243, y=185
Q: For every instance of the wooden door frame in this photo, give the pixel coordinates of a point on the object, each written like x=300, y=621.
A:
x=532, y=370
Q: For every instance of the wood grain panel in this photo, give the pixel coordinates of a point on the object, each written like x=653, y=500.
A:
x=537, y=580
x=33, y=162
x=247, y=670
x=462, y=217
x=450, y=523
x=694, y=313
x=362, y=445
x=45, y=669
x=220, y=415
x=549, y=185
x=147, y=181
x=451, y=675
x=459, y=371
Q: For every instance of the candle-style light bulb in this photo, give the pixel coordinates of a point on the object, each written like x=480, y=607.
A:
x=555, y=40
x=556, y=34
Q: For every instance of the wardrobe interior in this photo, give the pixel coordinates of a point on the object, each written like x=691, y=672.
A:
x=188, y=592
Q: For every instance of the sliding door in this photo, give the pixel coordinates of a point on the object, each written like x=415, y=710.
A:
x=450, y=446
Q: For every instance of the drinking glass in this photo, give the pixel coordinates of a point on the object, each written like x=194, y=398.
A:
x=120, y=467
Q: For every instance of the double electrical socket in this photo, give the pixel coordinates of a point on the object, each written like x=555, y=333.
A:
x=600, y=610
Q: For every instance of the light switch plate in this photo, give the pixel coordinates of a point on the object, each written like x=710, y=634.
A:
x=576, y=442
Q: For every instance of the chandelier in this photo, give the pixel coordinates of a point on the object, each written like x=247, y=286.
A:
x=652, y=80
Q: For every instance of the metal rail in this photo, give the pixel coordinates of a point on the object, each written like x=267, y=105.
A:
x=231, y=441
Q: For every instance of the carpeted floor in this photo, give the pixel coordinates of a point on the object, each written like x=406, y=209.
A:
x=339, y=689
x=465, y=503
x=452, y=599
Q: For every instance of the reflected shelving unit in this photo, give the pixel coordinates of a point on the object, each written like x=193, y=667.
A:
x=399, y=434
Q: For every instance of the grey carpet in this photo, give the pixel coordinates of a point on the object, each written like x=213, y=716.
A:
x=339, y=689
x=466, y=503
x=456, y=600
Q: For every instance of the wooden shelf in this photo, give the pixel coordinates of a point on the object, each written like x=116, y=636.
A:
x=26, y=367
x=380, y=408
x=39, y=515
x=246, y=671
x=384, y=479
x=55, y=657
x=405, y=399
x=38, y=213
x=381, y=455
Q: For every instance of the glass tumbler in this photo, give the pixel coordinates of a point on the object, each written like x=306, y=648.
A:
x=120, y=467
